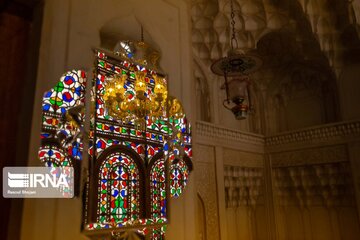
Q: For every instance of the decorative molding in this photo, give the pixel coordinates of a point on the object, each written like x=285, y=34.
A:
x=335, y=133
x=214, y=135
x=319, y=134
x=330, y=154
x=214, y=131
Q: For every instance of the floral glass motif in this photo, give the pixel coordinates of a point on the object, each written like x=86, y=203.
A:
x=52, y=156
x=179, y=174
x=118, y=189
x=67, y=93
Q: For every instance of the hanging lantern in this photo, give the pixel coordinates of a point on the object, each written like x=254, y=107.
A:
x=239, y=102
x=235, y=68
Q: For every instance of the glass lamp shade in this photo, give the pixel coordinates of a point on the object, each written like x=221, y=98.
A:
x=238, y=95
x=237, y=90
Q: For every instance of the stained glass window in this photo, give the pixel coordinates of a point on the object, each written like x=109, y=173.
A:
x=126, y=152
x=157, y=189
x=62, y=120
x=118, y=189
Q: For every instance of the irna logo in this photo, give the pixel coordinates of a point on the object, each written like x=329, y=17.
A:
x=38, y=182
x=18, y=180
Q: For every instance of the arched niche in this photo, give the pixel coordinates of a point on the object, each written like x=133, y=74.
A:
x=124, y=28
x=200, y=218
x=300, y=87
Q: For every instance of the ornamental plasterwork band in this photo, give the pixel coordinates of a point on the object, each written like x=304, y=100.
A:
x=330, y=154
x=335, y=133
x=318, y=134
x=210, y=134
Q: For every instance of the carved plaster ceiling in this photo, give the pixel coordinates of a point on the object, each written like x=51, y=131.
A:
x=315, y=29
x=303, y=44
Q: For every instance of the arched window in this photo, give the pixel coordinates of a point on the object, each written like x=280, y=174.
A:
x=157, y=189
x=119, y=186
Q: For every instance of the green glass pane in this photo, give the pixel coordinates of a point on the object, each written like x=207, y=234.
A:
x=102, y=219
x=121, y=202
x=59, y=87
x=103, y=209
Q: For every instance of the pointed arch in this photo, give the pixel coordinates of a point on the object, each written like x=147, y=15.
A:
x=201, y=217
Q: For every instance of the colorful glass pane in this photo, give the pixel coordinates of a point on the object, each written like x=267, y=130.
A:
x=151, y=151
x=52, y=156
x=102, y=144
x=68, y=92
x=158, y=233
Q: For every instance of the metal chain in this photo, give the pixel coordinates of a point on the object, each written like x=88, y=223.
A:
x=142, y=34
x=233, y=37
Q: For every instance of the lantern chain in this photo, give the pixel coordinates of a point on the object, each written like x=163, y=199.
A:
x=233, y=37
